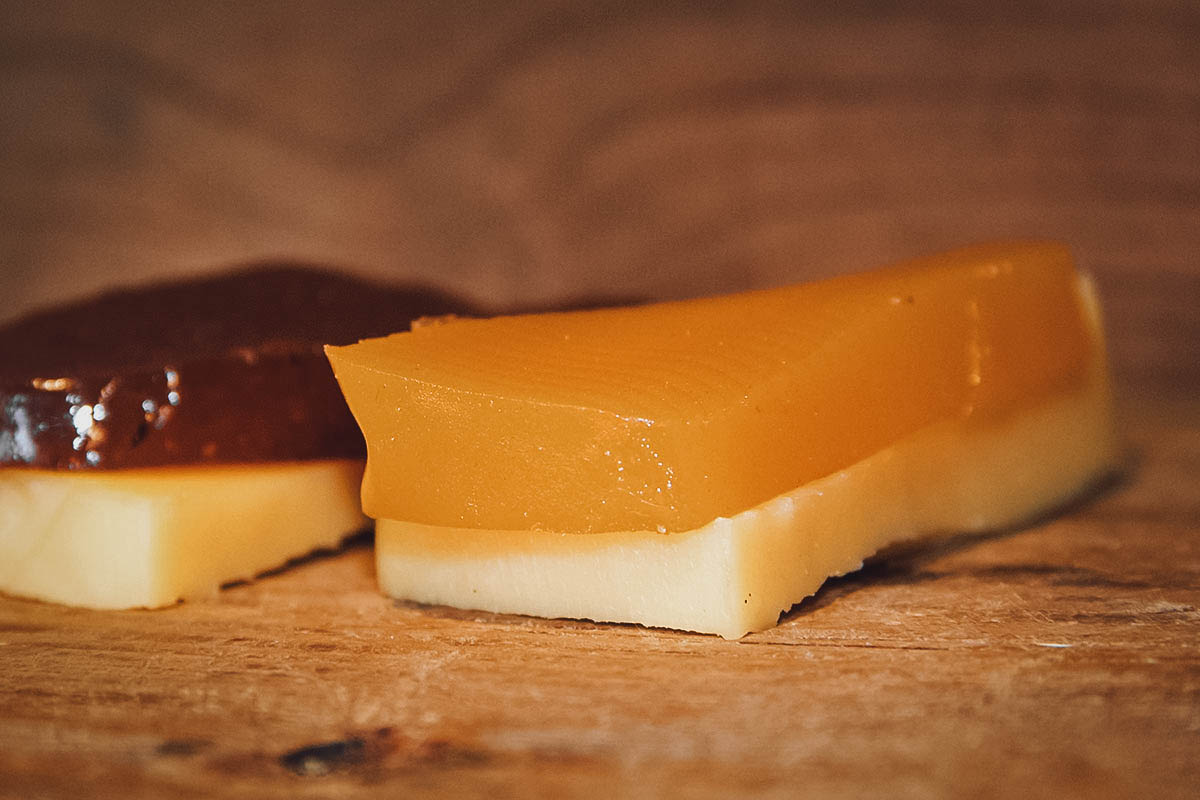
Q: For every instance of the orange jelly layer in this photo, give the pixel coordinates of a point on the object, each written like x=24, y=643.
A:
x=665, y=417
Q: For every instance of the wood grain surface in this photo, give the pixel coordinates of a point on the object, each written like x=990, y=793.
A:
x=537, y=151
x=1061, y=660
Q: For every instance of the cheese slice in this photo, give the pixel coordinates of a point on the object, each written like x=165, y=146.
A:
x=706, y=464
x=149, y=537
x=736, y=574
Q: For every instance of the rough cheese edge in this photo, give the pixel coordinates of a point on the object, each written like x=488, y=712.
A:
x=147, y=538
x=736, y=575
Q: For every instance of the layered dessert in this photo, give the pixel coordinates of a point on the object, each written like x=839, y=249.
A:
x=706, y=464
x=160, y=441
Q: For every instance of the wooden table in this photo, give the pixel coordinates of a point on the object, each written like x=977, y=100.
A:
x=533, y=152
x=1058, y=660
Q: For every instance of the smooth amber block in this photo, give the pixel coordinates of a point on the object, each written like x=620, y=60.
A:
x=666, y=417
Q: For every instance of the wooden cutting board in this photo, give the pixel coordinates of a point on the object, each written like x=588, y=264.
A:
x=538, y=151
x=1062, y=659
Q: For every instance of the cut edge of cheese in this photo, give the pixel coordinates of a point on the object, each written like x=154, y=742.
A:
x=146, y=538
x=736, y=575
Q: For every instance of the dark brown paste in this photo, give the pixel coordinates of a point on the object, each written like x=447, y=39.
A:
x=219, y=369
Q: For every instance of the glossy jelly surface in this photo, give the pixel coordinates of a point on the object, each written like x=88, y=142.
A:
x=665, y=417
x=220, y=369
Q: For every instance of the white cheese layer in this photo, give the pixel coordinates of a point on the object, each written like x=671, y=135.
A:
x=148, y=537
x=736, y=575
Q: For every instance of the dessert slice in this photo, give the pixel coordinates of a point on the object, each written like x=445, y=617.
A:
x=160, y=441
x=706, y=464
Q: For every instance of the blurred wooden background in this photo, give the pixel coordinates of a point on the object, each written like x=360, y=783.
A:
x=533, y=151
x=536, y=151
